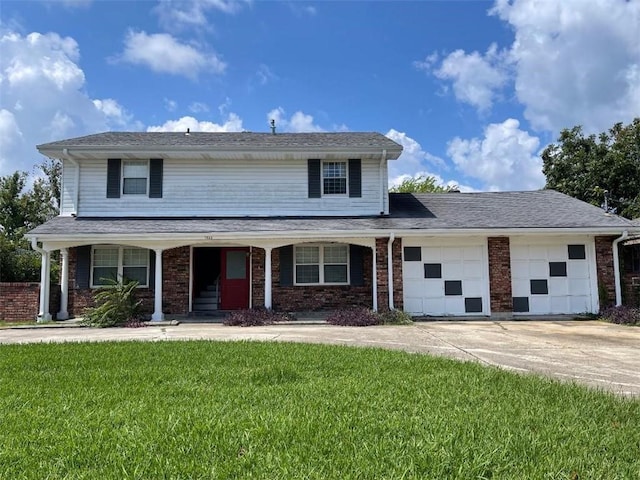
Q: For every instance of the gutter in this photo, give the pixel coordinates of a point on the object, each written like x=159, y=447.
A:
x=390, y=269
x=616, y=267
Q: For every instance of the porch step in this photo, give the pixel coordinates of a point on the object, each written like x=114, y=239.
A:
x=205, y=307
x=207, y=300
x=208, y=294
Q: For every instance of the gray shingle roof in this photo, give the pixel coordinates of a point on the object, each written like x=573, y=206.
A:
x=230, y=140
x=544, y=209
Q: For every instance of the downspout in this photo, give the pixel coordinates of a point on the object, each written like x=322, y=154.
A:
x=76, y=189
x=390, y=269
x=616, y=267
x=383, y=188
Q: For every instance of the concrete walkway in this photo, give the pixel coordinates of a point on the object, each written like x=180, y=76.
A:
x=597, y=354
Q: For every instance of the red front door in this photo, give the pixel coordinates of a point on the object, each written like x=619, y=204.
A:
x=234, y=278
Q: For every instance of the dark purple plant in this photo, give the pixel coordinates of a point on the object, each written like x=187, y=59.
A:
x=254, y=318
x=621, y=315
x=356, y=317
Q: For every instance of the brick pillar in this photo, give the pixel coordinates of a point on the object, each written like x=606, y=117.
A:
x=257, y=277
x=383, y=279
x=398, y=292
x=175, y=280
x=604, y=267
x=500, y=293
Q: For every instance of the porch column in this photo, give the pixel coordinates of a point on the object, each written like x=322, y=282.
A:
x=63, y=314
x=157, y=300
x=43, y=314
x=267, y=277
x=375, y=277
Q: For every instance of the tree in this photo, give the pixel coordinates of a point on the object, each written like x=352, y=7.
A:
x=594, y=167
x=421, y=184
x=20, y=211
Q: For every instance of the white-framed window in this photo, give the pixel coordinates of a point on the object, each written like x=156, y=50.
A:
x=110, y=262
x=135, y=177
x=334, y=178
x=326, y=264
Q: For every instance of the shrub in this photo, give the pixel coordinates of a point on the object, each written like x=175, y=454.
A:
x=621, y=315
x=115, y=304
x=254, y=317
x=356, y=317
x=395, y=317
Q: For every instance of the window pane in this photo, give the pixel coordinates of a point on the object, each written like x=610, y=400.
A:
x=105, y=257
x=335, y=254
x=335, y=274
x=335, y=186
x=307, y=255
x=236, y=265
x=135, y=169
x=135, y=256
x=135, y=186
x=101, y=275
x=139, y=274
x=307, y=274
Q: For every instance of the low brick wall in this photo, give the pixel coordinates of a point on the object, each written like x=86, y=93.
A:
x=21, y=301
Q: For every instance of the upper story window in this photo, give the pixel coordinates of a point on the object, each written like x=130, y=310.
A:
x=119, y=263
x=322, y=264
x=134, y=177
x=334, y=178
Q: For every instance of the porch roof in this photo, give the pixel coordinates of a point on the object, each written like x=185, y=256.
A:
x=544, y=210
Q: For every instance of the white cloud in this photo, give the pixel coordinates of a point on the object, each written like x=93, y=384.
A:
x=264, y=74
x=575, y=62
x=507, y=158
x=43, y=98
x=170, y=105
x=477, y=79
x=233, y=123
x=180, y=14
x=163, y=53
x=298, y=122
x=415, y=161
x=198, y=107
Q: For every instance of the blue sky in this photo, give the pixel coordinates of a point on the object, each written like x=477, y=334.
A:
x=473, y=90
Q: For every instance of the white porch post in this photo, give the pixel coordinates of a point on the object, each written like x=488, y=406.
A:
x=63, y=314
x=43, y=314
x=267, y=277
x=375, y=278
x=157, y=301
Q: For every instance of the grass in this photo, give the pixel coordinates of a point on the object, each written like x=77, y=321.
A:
x=283, y=411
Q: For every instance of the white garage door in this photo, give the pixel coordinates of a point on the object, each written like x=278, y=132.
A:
x=445, y=277
x=553, y=277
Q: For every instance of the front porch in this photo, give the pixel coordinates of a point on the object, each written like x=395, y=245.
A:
x=175, y=279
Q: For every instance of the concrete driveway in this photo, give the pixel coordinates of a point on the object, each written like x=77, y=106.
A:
x=597, y=354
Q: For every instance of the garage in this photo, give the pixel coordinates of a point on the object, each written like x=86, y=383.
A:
x=553, y=276
x=445, y=277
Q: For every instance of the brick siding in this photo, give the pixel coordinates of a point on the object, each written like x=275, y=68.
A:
x=21, y=301
x=604, y=268
x=501, y=297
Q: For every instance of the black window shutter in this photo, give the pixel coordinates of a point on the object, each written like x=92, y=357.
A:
x=113, y=177
x=83, y=266
x=152, y=269
x=355, y=178
x=314, y=178
x=356, y=265
x=155, y=178
x=286, y=266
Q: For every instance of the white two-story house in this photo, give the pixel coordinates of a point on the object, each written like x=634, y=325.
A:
x=304, y=221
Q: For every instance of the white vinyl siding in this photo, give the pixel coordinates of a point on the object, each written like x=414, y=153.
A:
x=204, y=187
x=119, y=263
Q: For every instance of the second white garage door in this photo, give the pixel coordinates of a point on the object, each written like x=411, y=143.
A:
x=445, y=277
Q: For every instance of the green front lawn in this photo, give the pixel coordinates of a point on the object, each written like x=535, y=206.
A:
x=283, y=411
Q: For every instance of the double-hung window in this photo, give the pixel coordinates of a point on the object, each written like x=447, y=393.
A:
x=119, y=263
x=322, y=264
x=134, y=177
x=334, y=178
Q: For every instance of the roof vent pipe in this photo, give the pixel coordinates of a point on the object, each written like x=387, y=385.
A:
x=273, y=126
x=188, y=132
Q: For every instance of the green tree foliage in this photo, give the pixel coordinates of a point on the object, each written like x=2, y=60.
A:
x=587, y=167
x=420, y=184
x=21, y=210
